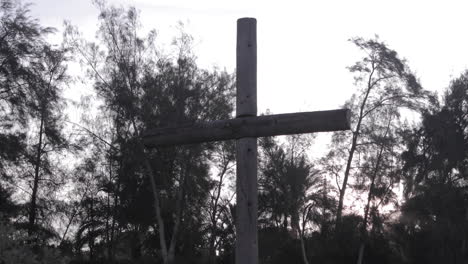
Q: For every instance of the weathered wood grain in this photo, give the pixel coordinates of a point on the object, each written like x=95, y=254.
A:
x=260, y=126
x=246, y=147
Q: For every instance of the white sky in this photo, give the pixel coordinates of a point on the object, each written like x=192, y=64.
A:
x=302, y=45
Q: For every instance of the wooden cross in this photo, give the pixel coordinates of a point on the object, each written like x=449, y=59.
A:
x=245, y=128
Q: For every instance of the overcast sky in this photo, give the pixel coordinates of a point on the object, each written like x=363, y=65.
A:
x=303, y=47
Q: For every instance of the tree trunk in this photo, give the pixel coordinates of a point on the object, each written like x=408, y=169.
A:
x=366, y=213
x=114, y=213
x=109, y=215
x=214, y=215
x=155, y=191
x=353, y=148
x=361, y=253
x=167, y=255
x=345, y=180
x=75, y=212
x=369, y=198
x=91, y=238
x=157, y=209
x=304, y=255
x=300, y=233
x=285, y=223
x=178, y=216
x=33, y=206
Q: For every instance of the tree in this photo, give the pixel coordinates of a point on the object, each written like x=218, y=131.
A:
x=383, y=79
x=22, y=41
x=94, y=181
x=380, y=166
x=142, y=89
x=31, y=75
x=51, y=75
x=223, y=158
x=289, y=186
x=368, y=154
x=434, y=221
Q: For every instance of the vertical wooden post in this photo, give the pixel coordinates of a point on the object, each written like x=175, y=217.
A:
x=246, y=156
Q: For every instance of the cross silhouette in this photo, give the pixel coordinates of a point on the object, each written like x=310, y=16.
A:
x=245, y=128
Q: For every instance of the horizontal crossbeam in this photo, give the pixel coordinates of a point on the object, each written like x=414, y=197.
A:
x=257, y=126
